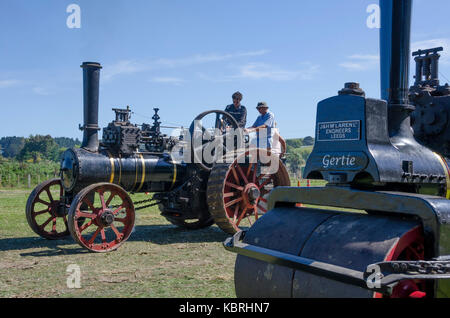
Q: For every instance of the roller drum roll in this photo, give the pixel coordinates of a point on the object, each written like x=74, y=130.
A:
x=349, y=240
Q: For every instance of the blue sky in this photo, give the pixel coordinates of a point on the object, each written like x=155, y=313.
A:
x=186, y=57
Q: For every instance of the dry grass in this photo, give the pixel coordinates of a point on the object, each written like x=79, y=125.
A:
x=159, y=260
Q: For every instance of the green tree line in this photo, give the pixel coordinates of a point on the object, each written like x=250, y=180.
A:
x=35, y=148
x=297, y=152
x=29, y=161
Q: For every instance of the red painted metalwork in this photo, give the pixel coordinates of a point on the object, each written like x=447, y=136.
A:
x=245, y=191
x=410, y=247
x=95, y=223
x=43, y=210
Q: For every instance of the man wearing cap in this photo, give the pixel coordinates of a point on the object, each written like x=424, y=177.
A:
x=263, y=125
x=238, y=111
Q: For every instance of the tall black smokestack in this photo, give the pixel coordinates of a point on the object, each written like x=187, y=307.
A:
x=91, y=80
x=395, y=36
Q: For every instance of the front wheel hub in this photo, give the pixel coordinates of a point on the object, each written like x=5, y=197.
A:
x=107, y=218
x=253, y=194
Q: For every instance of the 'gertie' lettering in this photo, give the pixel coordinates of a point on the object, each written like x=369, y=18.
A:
x=329, y=161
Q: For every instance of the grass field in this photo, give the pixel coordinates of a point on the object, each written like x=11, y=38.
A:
x=158, y=260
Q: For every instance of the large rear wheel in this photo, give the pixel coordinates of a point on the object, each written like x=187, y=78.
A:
x=237, y=192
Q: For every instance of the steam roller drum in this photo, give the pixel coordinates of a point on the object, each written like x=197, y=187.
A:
x=350, y=240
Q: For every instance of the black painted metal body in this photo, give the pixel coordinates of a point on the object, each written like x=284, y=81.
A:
x=139, y=172
x=396, y=188
x=430, y=120
x=136, y=158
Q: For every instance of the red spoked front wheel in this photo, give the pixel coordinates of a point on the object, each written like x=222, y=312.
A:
x=237, y=192
x=101, y=217
x=45, y=210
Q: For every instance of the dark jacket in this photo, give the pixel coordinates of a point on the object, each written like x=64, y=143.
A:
x=239, y=114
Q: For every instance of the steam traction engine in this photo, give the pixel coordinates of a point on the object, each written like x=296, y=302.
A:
x=91, y=203
x=395, y=239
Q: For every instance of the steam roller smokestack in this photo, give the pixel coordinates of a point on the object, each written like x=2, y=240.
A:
x=91, y=80
x=395, y=35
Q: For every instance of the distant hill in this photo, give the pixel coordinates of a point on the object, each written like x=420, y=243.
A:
x=297, y=152
x=35, y=147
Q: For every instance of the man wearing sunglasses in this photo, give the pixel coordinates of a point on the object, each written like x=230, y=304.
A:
x=238, y=111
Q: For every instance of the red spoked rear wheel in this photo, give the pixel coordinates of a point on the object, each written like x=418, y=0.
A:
x=237, y=192
x=45, y=211
x=101, y=217
x=410, y=247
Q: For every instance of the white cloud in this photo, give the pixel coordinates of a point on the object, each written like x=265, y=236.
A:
x=361, y=62
x=9, y=83
x=41, y=91
x=258, y=71
x=122, y=67
x=432, y=43
x=205, y=58
x=168, y=80
x=133, y=66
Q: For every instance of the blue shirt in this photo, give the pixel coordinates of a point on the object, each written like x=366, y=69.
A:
x=267, y=119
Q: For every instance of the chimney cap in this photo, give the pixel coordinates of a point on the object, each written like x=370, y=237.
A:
x=91, y=64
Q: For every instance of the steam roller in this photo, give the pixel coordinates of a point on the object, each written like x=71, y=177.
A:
x=380, y=228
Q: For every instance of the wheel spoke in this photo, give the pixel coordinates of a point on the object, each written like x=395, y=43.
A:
x=65, y=221
x=255, y=171
x=41, y=212
x=236, y=210
x=110, y=199
x=255, y=210
x=54, y=226
x=261, y=176
x=249, y=170
x=42, y=201
x=414, y=253
x=241, y=216
x=235, y=186
x=261, y=208
x=43, y=225
x=49, y=194
x=89, y=203
x=85, y=226
x=102, y=199
x=91, y=240
x=249, y=220
x=121, y=220
x=265, y=183
x=116, y=211
x=239, y=169
x=102, y=231
x=236, y=178
x=118, y=234
x=233, y=202
x=80, y=214
x=229, y=194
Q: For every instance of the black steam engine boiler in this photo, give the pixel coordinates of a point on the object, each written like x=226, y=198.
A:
x=90, y=200
x=381, y=225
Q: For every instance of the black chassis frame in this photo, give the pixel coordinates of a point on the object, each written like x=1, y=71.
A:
x=432, y=211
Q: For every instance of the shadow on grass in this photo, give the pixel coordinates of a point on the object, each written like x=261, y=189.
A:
x=157, y=234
